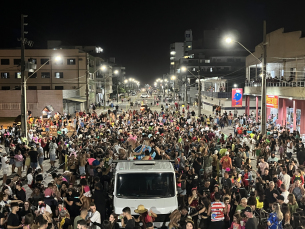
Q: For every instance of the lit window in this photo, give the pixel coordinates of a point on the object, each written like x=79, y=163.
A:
x=172, y=63
x=207, y=61
x=189, y=46
x=211, y=69
x=173, y=53
x=172, y=58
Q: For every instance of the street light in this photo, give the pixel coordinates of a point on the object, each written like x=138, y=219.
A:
x=104, y=68
x=23, y=100
x=264, y=64
x=184, y=69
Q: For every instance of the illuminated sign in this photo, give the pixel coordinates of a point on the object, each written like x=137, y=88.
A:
x=237, y=97
x=272, y=101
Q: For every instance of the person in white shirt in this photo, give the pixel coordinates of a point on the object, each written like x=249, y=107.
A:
x=285, y=178
x=95, y=217
x=5, y=166
x=284, y=193
x=289, y=150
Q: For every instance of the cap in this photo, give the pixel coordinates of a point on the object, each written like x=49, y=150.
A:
x=227, y=153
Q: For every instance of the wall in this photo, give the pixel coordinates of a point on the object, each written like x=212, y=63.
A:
x=226, y=104
x=294, y=92
x=36, y=100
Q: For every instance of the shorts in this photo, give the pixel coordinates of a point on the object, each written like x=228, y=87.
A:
x=208, y=170
x=18, y=164
x=5, y=170
x=52, y=157
x=12, y=161
x=40, y=160
x=82, y=170
x=47, y=129
x=33, y=165
x=73, y=171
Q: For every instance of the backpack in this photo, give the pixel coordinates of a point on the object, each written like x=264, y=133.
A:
x=183, y=185
x=297, y=192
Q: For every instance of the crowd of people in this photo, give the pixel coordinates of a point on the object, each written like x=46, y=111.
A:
x=239, y=180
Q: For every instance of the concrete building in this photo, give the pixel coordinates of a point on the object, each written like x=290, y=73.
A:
x=75, y=71
x=208, y=58
x=285, y=77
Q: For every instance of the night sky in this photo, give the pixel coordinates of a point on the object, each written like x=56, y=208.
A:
x=138, y=33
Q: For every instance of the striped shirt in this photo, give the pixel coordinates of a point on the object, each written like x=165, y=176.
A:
x=217, y=209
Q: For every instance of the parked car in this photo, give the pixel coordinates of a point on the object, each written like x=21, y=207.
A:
x=144, y=96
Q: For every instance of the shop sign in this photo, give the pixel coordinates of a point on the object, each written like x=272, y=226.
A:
x=237, y=97
x=272, y=101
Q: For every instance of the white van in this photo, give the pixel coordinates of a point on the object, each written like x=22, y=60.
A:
x=150, y=183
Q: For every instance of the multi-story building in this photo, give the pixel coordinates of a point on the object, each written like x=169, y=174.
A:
x=74, y=74
x=285, y=79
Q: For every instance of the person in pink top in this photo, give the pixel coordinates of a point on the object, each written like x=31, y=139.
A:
x=18, y=161
x=85, y=198
x=236, y=222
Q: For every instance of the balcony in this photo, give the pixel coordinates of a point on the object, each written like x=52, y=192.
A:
x=285, y=89
x=216, y=94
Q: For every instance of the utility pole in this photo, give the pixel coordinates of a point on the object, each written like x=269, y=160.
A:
x=117, y=92
x=87, y=86
x=104, y=90
x=263, y=96
x=23, y=81
x=185, y=85
x=199, y=92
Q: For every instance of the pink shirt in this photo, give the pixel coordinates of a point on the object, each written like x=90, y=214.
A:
x=48, y=192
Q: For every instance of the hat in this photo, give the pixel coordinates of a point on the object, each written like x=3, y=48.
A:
x=150, y=135
x=216, y=152
x=141, y=209
x=227, y=153
x=247, y=209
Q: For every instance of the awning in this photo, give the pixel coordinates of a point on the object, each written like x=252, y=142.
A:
x=48, y=108
x=77, y=99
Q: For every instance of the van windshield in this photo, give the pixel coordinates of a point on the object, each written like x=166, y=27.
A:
x=145, y=185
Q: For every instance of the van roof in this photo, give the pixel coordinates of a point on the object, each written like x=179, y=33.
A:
x=144, y=166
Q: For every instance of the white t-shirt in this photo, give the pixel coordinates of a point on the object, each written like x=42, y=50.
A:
x=96, y=218
x=29, y=177
x=285, y=194
x=47, y=209
x=4, y=165
x=288, y=148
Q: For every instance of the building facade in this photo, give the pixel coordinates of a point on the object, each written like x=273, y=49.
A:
x=285, y=78
x=74, y=73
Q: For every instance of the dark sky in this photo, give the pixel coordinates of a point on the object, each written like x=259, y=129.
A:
x=138, y=33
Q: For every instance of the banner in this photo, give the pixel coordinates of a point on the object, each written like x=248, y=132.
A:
x=237, y=97
x=272, y=101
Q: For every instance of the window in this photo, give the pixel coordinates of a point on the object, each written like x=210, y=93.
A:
x=207, y=61
x=238, y=60
x=6, y=88
x=5, y=75
x=226, y=68
x=32, y=87
x=18, y=75
x=33, y=75
x=43, y=61
x=17, y=61
x=211, y=69
x=5, y=61
x=33, y=60
x=45, y=75
x=45, y=87
x=59, y=87
x=70, y=61
x=172, y=63
x=59, y=75
x=145, y=185
x=218, y=60
x=272, y=74
x=194, y=69
x=230, y=60
x=17, y=87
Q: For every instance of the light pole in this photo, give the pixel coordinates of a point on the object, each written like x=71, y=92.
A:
x=104, y=68
x=264, y=64
x=184, y=69
x=173, y=78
